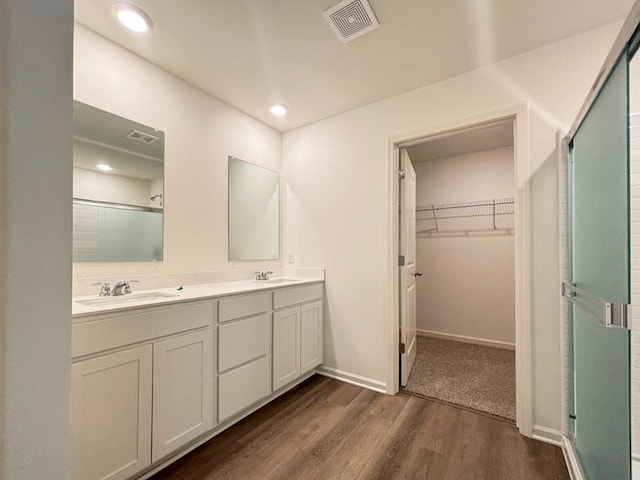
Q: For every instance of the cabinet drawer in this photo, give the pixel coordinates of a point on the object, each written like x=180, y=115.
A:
x=239, y=388
x=244, y=306
x=126, y=329
x=295, y=296
x=243, y=340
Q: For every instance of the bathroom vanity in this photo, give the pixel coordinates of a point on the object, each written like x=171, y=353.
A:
x=158, y=373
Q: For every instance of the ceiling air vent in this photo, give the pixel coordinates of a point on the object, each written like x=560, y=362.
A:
x=351, y=19
x=142, y=137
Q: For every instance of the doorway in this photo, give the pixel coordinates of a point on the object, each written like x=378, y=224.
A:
x=517, y=118
x=457, y=205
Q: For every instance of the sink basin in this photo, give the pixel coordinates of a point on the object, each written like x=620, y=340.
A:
x=122, y=299
x=278, y=281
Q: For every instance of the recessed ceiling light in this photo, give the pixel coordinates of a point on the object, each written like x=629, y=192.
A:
x=104, y=167
x=132, y=17
x=278, y=110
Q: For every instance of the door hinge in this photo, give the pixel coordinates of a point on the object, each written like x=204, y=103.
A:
x=401, y=260
x=402, y=348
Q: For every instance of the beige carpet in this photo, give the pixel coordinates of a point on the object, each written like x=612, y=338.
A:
x=472, y=376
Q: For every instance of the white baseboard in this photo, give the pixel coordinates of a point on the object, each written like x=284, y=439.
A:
x=635, y=466
x=353, y=379
x=571, y=459
x=547, y=435
x=466, y=339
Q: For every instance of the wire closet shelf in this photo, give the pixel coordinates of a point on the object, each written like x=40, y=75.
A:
x=479, y=215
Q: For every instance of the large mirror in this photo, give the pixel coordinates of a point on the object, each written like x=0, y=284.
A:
x=254, y=228
x=118, y=188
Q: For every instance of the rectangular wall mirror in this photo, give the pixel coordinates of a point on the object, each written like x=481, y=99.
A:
x=254, y=212
x=118, y=188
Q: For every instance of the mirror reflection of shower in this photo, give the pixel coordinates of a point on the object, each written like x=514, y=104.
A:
x=156, y=197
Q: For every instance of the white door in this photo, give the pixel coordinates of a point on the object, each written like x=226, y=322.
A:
x=408, y=344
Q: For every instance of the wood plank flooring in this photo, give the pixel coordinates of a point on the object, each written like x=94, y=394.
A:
x=326, y=429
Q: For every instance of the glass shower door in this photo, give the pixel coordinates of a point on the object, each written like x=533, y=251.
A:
x=600, y=285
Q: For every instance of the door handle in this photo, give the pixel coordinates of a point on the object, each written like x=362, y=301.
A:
x=610, y=314
x=418, y=274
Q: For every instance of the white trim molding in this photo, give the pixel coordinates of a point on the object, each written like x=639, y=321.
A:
x=524, y=349
x=563, y=248
x=465, y=339
x=571, y=459
x=547, y=435
x=353, y=379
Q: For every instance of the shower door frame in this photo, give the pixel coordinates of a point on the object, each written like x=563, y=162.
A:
x=519, y=114
x=627, y=32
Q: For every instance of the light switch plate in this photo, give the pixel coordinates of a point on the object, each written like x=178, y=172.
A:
x=292, y=256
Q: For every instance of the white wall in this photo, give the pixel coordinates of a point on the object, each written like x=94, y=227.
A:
x=335, y=173
x=35, y=237
x=105, y=187
x=200, y=132
x=468, y=285
x=156, y=188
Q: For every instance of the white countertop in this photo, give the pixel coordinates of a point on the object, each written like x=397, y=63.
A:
x=141, y=298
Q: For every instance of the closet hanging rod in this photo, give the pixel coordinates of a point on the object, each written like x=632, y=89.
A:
x=472, y=204
x=493, y=209
x=465, y=216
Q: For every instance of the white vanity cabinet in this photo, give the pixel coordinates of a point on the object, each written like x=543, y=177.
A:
x=182, y=390
x=297, y=333
x=132, y=405
x=111, y=414
x=150, y=381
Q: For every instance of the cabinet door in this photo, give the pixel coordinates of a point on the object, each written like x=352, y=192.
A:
x=182, y=390
x=111, y=415
x=311, y=330
x=286, y=347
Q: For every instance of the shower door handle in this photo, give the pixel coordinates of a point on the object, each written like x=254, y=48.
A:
x=610, y=314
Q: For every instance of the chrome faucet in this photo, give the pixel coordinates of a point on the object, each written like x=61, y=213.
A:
x=262, y=275
x=105, y=289
x=122, y=288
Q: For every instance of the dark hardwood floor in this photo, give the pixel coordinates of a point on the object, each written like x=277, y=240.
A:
x=325, y=429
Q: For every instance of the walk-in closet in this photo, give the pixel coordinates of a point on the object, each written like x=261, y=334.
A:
x=465, y=269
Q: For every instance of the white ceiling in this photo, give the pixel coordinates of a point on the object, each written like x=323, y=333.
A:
x=101, y=137
x=251, y=53
x=476, y=139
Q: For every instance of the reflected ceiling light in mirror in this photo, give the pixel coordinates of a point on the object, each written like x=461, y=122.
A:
x=278, y=109
x=104, y=167
x=132, y=17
